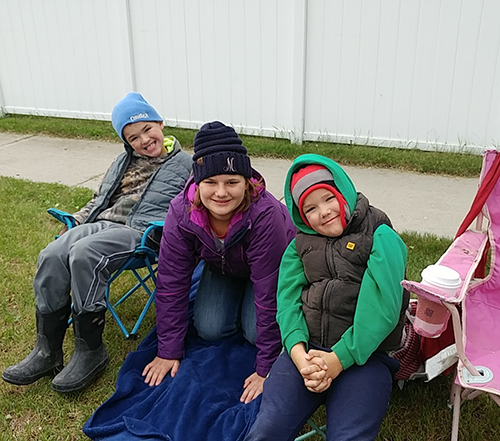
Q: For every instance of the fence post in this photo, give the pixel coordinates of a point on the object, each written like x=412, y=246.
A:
x=299, y=71
x=2, y=101
x=131, y=46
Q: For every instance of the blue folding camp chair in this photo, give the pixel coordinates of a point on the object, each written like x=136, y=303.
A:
x=143, y=257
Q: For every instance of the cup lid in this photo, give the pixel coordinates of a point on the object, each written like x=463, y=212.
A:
x=441, y=276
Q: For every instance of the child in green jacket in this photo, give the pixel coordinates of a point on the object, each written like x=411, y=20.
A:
x=340, y=309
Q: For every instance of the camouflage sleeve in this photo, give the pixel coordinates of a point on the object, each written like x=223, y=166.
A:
x=82, y=214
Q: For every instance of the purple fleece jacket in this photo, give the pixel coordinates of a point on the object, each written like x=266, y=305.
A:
x=253, y=247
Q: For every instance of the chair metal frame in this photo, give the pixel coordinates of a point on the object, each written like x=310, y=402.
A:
x=316, y=430
x=142, y=257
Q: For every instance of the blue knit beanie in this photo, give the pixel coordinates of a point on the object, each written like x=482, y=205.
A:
x=218, y=150
x=133, y=108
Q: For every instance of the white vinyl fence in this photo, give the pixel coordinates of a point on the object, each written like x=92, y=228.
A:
x=397, y=73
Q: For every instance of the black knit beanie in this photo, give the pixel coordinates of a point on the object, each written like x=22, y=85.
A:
x=218, y=150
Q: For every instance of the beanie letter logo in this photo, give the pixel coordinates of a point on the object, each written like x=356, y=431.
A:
x=138, y=116
x=230, y=166
x=350, y=246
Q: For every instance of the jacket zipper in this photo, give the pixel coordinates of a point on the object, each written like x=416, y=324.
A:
x=324, y=301
x=214, y=251
x=223, y=262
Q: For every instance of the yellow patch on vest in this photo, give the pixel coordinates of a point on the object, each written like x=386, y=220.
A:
x=350, y=246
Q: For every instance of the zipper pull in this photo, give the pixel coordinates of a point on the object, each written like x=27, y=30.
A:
x=223, y=263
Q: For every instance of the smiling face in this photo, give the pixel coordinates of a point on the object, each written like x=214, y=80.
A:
x=145, y=137
x=222, y=195
x=322, y=210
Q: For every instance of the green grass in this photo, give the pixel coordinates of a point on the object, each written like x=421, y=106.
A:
x=418, y=412
x=453, y=164
x=36, y=412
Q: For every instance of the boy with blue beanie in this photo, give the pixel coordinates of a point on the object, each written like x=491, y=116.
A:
x=136, y=190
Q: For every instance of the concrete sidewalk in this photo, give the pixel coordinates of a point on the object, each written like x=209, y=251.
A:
x=414, y=202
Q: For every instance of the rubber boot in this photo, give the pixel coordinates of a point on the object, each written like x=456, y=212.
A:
x=46, y=359
x=90, y=356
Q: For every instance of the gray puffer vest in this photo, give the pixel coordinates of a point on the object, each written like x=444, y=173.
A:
x=334, y=269
x=162, y=187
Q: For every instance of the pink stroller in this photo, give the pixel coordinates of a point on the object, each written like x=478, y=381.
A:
x=477, y=327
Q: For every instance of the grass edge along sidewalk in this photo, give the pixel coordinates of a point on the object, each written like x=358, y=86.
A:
x=410, y=159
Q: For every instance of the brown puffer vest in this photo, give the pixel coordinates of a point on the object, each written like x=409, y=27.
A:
x=334, y=269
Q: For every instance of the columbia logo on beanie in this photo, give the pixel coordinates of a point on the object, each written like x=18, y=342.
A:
x=131, y=109
x=218, y=150
x=141, y=115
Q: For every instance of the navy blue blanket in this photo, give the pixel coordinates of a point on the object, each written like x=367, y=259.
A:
x=200, y=403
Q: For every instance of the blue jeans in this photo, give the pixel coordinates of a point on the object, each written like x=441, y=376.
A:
x=356, y=401
x=223, y=305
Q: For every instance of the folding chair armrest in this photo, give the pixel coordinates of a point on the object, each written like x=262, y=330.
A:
x=156, y=224
x=66, y=218
x=431, y=293
x=463, y=256
x=152, y=226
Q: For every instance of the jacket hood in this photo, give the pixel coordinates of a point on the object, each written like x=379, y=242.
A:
x=340, y=177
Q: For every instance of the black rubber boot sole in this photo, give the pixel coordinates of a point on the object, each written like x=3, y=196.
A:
x=52, y=372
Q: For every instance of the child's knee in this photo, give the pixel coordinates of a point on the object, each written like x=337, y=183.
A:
x=264, y=429
x=211, y=330
x=208, y=334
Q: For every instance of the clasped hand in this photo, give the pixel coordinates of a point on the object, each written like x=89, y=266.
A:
x=318, y=368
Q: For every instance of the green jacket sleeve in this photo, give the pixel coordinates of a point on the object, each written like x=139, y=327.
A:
x=291, y=280
x=379, y=301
